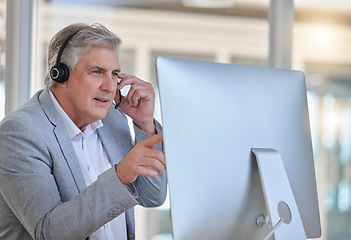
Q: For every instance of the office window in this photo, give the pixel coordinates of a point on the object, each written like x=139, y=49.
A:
x=127, y=60
x=2, y=56
x=249, y=61
x=330, y=112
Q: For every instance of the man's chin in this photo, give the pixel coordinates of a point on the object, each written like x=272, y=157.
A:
x=100, y=113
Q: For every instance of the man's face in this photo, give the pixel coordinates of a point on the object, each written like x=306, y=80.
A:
x=91, y=87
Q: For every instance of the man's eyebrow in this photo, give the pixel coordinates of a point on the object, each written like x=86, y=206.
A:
x=97, y=67
x=104, y=69
x=100, y=68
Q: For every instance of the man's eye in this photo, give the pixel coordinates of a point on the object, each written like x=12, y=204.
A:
x=115, y=75
x=96, y=72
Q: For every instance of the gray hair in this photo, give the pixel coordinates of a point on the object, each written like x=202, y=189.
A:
x=87, y=37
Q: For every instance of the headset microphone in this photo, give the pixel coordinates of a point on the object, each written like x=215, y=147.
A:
x=120, y=99
x=60, y=72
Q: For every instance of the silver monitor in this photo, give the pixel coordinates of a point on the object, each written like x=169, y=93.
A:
x=214, y=117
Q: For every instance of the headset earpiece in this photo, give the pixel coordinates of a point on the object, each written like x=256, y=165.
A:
x=60, y=72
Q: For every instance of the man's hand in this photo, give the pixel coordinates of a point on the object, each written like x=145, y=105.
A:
x=139, y=103
x=142, y=160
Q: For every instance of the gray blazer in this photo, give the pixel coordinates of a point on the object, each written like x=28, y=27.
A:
x=42, y=190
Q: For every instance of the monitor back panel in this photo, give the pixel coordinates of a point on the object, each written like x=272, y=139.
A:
x=213, y=115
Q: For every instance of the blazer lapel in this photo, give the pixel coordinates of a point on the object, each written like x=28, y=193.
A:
x=62, y=137
x=115, y=127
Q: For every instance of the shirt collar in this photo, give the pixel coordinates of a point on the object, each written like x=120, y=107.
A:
x=72, y=128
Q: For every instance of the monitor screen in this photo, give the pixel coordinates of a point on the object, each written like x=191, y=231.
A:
x=213, y=115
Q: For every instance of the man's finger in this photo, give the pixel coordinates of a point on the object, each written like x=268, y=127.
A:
x=152, y=141
x=154, y=163
x=156, y=155
x=126, y=79
x=148, y=172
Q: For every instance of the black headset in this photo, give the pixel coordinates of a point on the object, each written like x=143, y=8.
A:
x=60, y=72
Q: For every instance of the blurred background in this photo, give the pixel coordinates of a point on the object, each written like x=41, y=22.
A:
x=227, y=31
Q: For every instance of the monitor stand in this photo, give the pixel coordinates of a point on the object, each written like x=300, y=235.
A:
x=283, y=219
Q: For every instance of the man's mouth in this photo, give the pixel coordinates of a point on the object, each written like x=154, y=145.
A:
x=101, y=100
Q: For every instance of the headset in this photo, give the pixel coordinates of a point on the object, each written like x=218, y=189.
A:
x=59, y=72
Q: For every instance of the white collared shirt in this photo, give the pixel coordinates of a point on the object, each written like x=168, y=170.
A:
x=93, y=161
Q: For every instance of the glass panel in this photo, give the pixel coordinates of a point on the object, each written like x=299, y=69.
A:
x=250, y=61
x=127, y=59
x=331, y=134
x=2, y=56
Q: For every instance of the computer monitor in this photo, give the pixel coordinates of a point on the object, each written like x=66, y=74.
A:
x=218, y=121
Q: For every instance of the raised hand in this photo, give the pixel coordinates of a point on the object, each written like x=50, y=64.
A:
x=139, y=103
x=142, y=160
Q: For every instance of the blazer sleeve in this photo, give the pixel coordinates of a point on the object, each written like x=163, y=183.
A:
x=30, y=189
x=151, y=190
